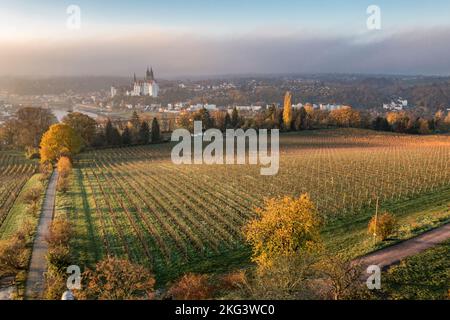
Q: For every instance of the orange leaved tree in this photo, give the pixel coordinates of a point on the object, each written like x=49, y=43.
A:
x=60, y=140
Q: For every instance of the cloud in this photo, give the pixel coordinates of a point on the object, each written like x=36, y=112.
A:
x=172, y=54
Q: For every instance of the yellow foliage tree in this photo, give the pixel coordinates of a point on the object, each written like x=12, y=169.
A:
x=60, y=140
x=346, y=117
x=284, y=228
x=64, y=167
x=287, y=111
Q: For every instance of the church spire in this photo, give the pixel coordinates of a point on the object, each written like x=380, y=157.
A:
x=149, y=74
x=152, y=76
x=135, y=77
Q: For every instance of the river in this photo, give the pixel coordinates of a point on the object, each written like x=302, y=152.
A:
x=60, y=114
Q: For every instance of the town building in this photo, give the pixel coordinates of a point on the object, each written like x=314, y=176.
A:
x=146, y=87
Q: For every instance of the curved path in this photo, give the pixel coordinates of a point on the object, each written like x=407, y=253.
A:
x=38, y=264
x=394, y=254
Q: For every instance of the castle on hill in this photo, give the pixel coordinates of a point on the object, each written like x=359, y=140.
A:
x=146, y=87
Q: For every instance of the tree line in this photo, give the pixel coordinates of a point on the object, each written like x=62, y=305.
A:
x=307, y=117
x=28, y=128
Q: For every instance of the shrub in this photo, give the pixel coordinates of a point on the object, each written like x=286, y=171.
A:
x=55, y=284
x=232, y=281
x=382, y=226
x=116, y=279
x=59, y=233
x=63, y=184
x=191, y=287
x=64, y=167
x=59, y=257
x=13, y=255
x=33, y=195
x=46, y=169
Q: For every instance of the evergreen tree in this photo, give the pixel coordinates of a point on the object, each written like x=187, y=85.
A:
x=135, y=121
x=126, y=136
x=235, y=118
x=112, y=135
x=116, y=137
x=144, y=133
x=227, y=121
x=303, y=115
x=156, y=133
x=109, y=133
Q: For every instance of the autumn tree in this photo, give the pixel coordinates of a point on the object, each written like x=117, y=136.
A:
x=29, y=125
x=219, y=119
x=184, y=121
x=204, y=116
x=12, y=255
x=285, y=227
x=84, y=125
x=287, y=111
x=155, y=131
x=346, y=117
x=447, y=121
x=398, y=121
x=382, y=226
x=60, y=140
x=424, y=127
x=64, y=166
x=117, y=279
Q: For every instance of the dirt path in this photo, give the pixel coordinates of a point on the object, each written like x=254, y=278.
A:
x=38, y=264
x=394, y=254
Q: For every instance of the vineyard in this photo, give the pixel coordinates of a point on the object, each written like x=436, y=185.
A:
x=15, y=171
x=134, y=203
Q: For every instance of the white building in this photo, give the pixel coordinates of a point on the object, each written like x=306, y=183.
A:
x=396, y=105
x=113, y=92
x=146, y=87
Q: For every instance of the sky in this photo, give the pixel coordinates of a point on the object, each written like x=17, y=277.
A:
x=211, y=37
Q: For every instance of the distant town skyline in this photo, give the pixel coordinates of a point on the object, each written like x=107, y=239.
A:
x=200, y=37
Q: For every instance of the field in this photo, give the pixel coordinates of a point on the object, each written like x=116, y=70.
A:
x=422, y=277
x=15, y=171
x=134, y=203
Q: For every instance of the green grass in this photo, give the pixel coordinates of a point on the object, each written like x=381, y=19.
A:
x=86, y=245
x=18, y=213
x=414, y=216
x=425, y=276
